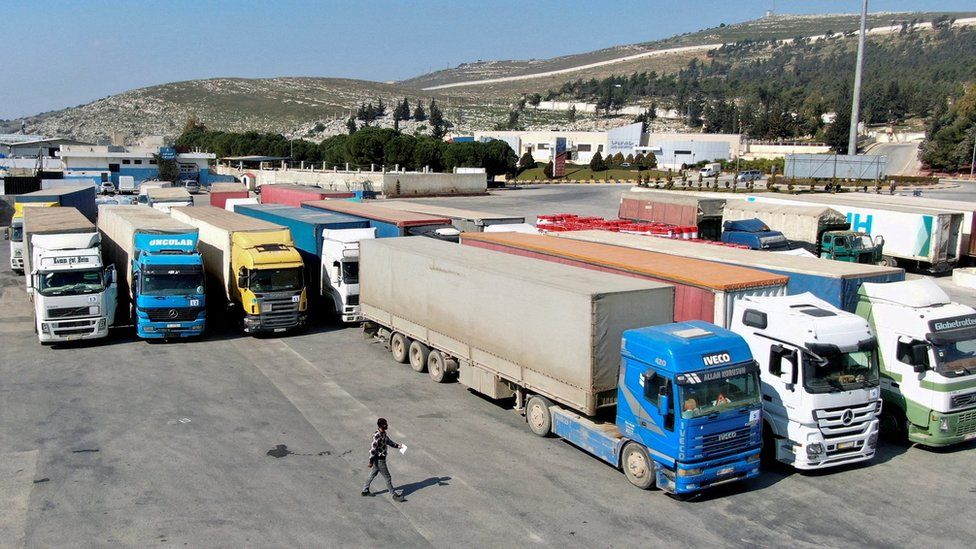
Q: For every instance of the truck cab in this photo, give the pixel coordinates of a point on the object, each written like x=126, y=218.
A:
x=15, y=233
x=852, y=247
x=820, y=379
x=167, y=286
x=928, y=361
x=340, y=269
x=73, y=292
x=755, y=234
x=271, y=281
x=689, y=396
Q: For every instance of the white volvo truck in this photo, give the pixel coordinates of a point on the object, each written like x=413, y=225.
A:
x=340, y=269
x=73, y=292
x=820, y=379
x=928, y=361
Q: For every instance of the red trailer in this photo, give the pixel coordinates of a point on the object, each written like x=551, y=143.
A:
x=294, y=195
x=220, y=192
x=703, y=290
x=674, y=209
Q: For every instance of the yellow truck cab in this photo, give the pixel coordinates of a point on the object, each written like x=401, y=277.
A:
x=15, y=234
x=256, y=265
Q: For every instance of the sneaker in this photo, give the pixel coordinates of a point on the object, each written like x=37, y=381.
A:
x=398, y=496
x=365, y=493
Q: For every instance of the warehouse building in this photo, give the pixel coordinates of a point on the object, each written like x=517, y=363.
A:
x=107, y=163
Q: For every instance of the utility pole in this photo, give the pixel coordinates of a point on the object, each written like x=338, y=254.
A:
x=856, y=103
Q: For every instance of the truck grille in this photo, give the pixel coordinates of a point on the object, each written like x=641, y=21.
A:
x=173, y=314
x=283, y=312
x=729, y=442
x=846, y=421
x=353, y=300
x=961, y=401
x=966, y=423
x=65, y=312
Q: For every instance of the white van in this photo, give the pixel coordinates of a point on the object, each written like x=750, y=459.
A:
x=710, y=170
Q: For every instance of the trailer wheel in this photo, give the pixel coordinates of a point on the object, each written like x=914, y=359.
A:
x=637, y=466
x=418, y=356
x=538, y=416
x=399, y=345
x=437, y=366
x=888, y=261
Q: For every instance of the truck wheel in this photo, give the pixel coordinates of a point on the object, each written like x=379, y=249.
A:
x=637, y=466
x=887, y=261
x=399, y=345
x=894, y=427
x=418, y=356
x=538, y=416
x=437, y=366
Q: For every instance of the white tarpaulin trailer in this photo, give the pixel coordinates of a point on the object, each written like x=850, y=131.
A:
x=835, y=166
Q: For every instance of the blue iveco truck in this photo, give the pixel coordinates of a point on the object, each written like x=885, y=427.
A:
x=671, y=405
x=163, y=279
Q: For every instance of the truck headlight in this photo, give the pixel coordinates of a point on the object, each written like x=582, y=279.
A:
x=689, y=472
x=944, y=425
x=93, y=310
x=753, y=457
x=149, y=329
x=814, y=450
x=45, y=328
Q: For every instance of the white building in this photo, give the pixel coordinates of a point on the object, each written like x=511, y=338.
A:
x=107, y=163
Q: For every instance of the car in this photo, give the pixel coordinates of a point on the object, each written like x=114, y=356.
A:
x=107, y=187
x=625, y=165
x=749, y=175
x=192, y=186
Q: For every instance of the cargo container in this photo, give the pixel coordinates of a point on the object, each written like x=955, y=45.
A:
x=329, y=245
x=161, y=288
x=387, y=221
x=164, y=198
x=835, y=282
x=231, y=203
x=220, y=192
x=467, y=221
x=703, y=290
x=294, y=195
x=674, y=209
x=252, y=265
x=81, y=197
x=574, y=350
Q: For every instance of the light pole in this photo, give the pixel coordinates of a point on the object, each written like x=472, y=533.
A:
x=856, y=102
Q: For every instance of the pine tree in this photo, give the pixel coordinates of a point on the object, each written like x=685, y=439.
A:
x=438, y=126
x=526, y=162
x=597, y=164
x=380, y=109
x=351, y=125
x=571, y=114
x=419, y=114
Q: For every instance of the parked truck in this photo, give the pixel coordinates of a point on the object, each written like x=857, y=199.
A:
x=73, y=293
x=164, y=198
x=389, y=222
x=703, y=290
x=466, y=221
x=927, y=347
x=835, y=282
x=294, y=195
x=329, y=246
x=127, y=184
x=220, y=192
x=821, y=230
x=675, y=209
x=252, y=265
x=686, y=396
x=161, y=290
x=15, y=233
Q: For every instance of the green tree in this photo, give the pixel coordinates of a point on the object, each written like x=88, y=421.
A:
x=366, y=146
x=547, y=171
x=535, y=99
x=571, y=114
x=438, y=125
x=419, y=114
x=498, y=158
x=400, y=151
x=597, y=163
x=351, y=125
x=169, y=170
x=618, y=159
x=428, y=152
x=334, y=150
x=949, y=138
x=526, y=162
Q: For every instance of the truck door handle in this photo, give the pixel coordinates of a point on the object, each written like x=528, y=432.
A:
x=643, y=423
x=767, y=398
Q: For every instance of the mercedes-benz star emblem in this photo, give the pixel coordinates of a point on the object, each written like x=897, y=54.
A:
x=173, y=313
x=847, y=418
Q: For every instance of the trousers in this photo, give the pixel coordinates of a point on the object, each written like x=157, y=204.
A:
x=379, y=468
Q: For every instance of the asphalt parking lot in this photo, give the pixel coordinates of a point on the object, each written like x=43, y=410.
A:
x=128, y=443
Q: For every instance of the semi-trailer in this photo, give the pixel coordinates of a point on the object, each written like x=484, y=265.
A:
x=252, y=266
x=389, y=222
x=686, y=396
x=15, y=233
x=81, y=197
x=674, y=209
x=835, y=282
x=231, y=203
x=329, y=245
x=162, y=288
x=221, y=192
x=466, y=221
x=818, y=364
x=74, y=294
x=164, y=198
x=703, y=290
x=294, y=195
x=927, y=346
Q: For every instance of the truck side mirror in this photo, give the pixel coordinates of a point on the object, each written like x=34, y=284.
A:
x=920, y=357
x=111, y=275
x=6, y=234
x=879, y=241
x=777, y=356
x=663, y=403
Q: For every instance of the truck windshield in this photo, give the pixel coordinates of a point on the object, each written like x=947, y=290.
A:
x=17, y=232
x=276, y=280
x=775, y=243
x=71, y=282
x=958, y=357
x=717, y=392
x=840, y=371
x=170, y=283
x=350, y=272
x=861, y=242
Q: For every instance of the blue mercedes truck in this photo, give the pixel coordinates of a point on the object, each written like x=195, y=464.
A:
x=164, y=280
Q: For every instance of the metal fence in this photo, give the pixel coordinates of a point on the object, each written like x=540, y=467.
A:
x=835, y=166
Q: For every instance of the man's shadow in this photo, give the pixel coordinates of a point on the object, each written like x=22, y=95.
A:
x=408, y=489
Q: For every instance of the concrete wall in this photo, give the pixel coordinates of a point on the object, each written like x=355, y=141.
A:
x=753, y=151
x=391, y=184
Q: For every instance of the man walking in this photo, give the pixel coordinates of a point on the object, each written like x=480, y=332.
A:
x=377, y=459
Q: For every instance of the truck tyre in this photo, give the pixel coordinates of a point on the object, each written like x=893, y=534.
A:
x=538, y=416
x=888, y=261
x=894, y=426
x=638, y=466
x=399, y=346
x=418, y=356
x=437, y=366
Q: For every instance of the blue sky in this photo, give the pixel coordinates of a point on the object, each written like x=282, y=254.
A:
x=63, y=53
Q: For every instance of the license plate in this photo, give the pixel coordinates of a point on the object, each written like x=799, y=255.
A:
x=845, y=445
x=73, y=337
x=279, y=329
x=172, y=325
x=726, y=471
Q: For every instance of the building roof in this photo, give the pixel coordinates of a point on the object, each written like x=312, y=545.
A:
x=59, y=140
